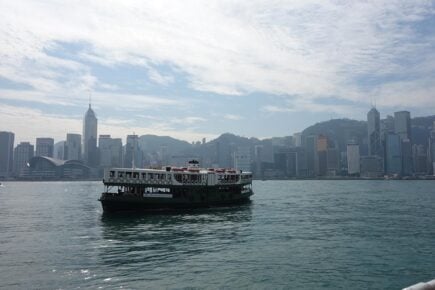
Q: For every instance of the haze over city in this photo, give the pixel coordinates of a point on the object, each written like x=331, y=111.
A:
x=198, y=69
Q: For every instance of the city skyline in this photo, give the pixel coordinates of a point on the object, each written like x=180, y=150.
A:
x=386, y=147
x=197, y=70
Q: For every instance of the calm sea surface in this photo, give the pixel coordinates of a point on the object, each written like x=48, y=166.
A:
x=294, y=235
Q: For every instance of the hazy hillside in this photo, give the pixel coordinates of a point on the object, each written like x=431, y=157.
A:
x=421, y=127
x=153, y=143
x=341, y=130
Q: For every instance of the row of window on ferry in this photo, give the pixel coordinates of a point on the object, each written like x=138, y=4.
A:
x=137, y=175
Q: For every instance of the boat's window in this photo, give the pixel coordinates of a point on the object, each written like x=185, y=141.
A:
x=151, y=175
x=112, y=173
x=144, y=175
x=121, y=174
x=128, y=174
x=135, y=174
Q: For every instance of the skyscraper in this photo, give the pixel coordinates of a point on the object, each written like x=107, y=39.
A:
x=374, y=132
x=311, y=154
x=407, y=158
x=402, y=127
x=297, y=137
x=133, y=154
x=353, y=159
x=90, y=123
x=44, y=147
x=116, y=148
x=402, y=124
x=6, y=153
x=393, y=154
x=59, y=150
x=22, y=154
x=72, y=149
x=110, y=151
x=104, y=147
x=242, y=158
x=322, y=149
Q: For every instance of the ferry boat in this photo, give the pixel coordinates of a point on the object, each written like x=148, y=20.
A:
x=172, y=188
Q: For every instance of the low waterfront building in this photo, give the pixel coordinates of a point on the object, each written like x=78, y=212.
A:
x=371, y=166
x=47, y=168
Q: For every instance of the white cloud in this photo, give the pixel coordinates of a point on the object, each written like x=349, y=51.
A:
x=301, y=105
x=233, y=117
x=305, y=49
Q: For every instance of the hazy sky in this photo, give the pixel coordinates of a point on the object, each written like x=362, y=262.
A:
x=194, y=69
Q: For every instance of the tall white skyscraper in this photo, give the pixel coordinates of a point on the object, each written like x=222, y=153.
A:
x=90, y=124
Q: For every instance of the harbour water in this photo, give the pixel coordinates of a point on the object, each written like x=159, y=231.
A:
x=294, y=235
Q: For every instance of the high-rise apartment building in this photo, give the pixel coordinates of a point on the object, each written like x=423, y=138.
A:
x=44, y=147
x=374, y=133
x=73, y=150
x=22, y=154
x=90, y=124
x=6, y=153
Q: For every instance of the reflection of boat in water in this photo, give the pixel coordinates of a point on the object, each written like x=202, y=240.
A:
x=173, y=188
x=141, y=241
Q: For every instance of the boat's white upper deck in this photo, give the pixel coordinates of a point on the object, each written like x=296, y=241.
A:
x=176, y=176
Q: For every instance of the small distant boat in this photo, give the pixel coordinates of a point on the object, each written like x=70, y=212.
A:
x=174, y=188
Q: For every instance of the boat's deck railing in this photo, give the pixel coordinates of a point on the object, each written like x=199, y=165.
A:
x=154, y=182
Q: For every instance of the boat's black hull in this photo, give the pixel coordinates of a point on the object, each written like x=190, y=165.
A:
x=114, y=203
